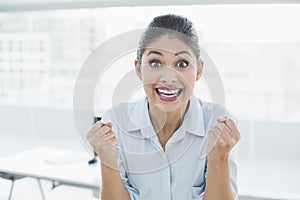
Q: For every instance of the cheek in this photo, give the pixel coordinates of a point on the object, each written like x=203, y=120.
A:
x=149, y=77
x=189, y=79
x=146, y=80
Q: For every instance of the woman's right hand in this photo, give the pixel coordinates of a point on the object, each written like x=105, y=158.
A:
x=104, y=142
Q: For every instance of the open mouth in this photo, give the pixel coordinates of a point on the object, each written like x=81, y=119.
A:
x=168, y=94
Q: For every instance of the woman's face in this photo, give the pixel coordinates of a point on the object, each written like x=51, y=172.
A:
x=169, y=71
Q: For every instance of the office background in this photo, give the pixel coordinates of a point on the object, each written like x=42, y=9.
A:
x=255, y=48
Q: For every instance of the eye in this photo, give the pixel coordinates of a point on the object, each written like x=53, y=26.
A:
x=182, y=64
x=155, y=63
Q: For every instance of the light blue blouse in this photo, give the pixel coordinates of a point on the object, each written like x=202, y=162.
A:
x=178, y=173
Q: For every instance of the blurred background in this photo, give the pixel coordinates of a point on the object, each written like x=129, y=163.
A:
x=254, y=46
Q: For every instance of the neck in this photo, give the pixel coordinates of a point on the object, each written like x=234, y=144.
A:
x=166, y=123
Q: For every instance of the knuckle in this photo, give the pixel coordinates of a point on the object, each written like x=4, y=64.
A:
x=104, y=130
x=88, y=135
x=100, y=133
x=99, y=123
x=112, y=136
x=107, y=136
x=95, y=126
x=229, y=144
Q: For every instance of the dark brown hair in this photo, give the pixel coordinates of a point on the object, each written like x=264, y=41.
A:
x=169, y=24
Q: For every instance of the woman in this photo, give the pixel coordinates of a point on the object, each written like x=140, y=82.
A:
x=151, y=149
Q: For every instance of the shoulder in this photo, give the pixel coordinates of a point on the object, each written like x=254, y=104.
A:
x=120, y=110
x=211, y=111
x=124, y=113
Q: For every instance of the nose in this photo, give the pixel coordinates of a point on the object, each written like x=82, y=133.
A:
x=168, y=75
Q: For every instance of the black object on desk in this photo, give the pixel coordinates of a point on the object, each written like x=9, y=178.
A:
x=94, y=160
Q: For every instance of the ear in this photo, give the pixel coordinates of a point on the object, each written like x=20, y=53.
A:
x=199, y=69
x=138, y=69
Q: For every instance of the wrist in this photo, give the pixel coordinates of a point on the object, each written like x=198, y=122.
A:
x=109, y=175
x=105, y=169
x=218, y=160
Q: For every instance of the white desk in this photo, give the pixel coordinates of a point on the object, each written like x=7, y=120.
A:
x=274, y=180
x=62, y=167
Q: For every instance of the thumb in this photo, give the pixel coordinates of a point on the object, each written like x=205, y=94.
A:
x=109, y=124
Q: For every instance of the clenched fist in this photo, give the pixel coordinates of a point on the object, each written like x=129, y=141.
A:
x=221, y=139
x=104, y=142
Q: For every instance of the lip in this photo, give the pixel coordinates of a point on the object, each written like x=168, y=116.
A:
x=166, y=88
x=168, y=97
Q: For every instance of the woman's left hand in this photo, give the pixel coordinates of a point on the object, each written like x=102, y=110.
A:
x=221, y=139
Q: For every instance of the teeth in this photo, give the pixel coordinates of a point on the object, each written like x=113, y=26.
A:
x=168, y=96
x=168, y=92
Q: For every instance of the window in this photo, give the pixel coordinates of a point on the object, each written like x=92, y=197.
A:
x=254, y=47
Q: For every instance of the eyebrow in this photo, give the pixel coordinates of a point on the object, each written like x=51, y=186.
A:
x=176, y=54
x=182, y=52
x=155, y=52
